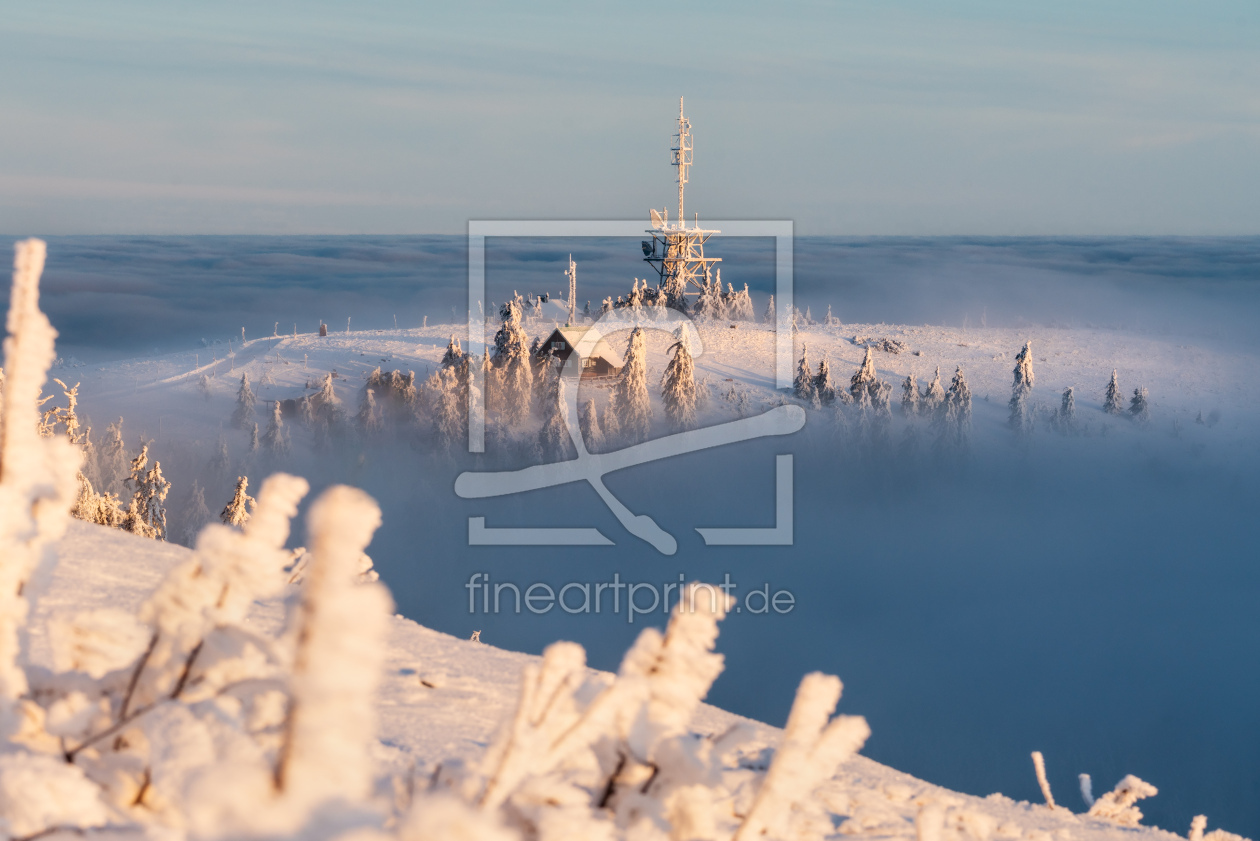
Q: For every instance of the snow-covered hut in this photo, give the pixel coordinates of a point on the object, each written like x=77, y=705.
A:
x=600, y=362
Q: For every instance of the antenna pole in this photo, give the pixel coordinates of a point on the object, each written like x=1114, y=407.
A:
x=572, y=275
x=682, y=158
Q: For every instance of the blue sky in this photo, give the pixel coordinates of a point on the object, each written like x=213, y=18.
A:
x=915, y=118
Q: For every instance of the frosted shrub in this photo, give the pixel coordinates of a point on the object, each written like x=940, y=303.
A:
x=582, y=757
x=1118, y=805
x=330, y=723
x=813, y=747
x=37, y=475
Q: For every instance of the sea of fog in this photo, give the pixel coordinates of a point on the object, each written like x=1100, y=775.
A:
x=121, y=296
x=1092, y=601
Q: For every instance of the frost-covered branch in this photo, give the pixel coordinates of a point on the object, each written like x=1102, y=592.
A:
x=340, y=628
x=37, y=475
x=811, y=751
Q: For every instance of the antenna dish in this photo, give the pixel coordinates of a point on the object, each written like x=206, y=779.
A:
x=656, y=218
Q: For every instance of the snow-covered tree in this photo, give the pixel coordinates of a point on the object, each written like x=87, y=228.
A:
x=678, y=385
x=934, y=395
x=510, y=340
x=220, y=463
x=1024, y=376
x=253, y=438
x=609, y=423
x=824, y=385
x=631, y=391
x=306, y=411
x=240, y=507
x=146, y=515
x=103, y=509
x=1114, y=402
x=955, y=413
x=276, y=438
x=196, y=515
x=709, y=305
x=803, y=384
x=406, y=389
x=910, y=395
x=769, y=317
x=449, y=412
x=741, y=308
x=553, y=438
x=1020, y=417
x=1065, y=415
x=243, y=416
x=513, y=358
x=1139, y=406
x=369, y=417
x=864, y=379
x=69, y=417
x=588, y=422
x=325, y=404
x=112, y=464
x=454, y=353
x=675, y=290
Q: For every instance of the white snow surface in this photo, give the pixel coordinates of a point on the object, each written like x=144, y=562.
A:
x=442, y=698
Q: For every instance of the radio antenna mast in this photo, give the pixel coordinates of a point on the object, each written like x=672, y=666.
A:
x=676, y=251
x=682, y=157
x=571, y=274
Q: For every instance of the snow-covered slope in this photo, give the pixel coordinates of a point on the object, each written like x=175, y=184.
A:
x=442, y=698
